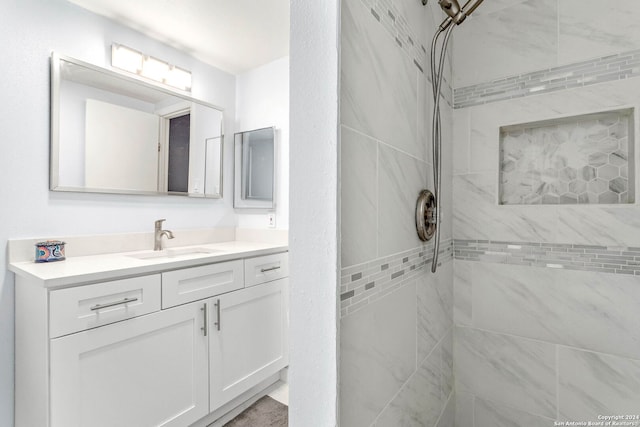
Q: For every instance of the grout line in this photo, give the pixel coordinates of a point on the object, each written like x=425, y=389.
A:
x=557, y=382
x=473, y=409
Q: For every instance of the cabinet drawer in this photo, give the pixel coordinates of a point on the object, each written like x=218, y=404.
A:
x=266, y=268
x=85, y=307
x=192, y=284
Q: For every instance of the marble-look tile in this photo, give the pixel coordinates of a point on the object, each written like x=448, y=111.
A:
x=358, y=197
x=419, y=402
x=378, y=355
x=425, y=105
x=462, y=292
x=464, y=409
x=460, y=142
x=573, y=308
x=597, y=29
x=599, y=225
x=484, y=127
x=447, y=364
x=448, y=417
x=378, y=82
x=490, y=414
x=400, y=179
x=517, y=371
x=478, y=216
x=435, y=308
x=592, y=384
x=520, y=37
x=446, y=201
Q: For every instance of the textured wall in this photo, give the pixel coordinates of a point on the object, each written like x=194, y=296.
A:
x=313, y=201
x=545, y=296
x=396, y=316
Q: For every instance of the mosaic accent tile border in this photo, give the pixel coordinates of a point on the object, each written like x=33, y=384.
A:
x=365, y=283
x=397, y=26
x=604, y=69
x=388, y=14
x=583, y=159
x=602, y=259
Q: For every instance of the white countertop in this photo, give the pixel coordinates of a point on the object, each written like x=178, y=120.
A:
x=95, y=268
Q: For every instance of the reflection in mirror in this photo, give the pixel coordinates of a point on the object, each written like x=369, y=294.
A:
x=254, y=169
x=116, y=134
x=213, y=156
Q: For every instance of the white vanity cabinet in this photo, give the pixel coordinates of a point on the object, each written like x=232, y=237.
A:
x=148, y=371
x=248, y=338
x=160, y=349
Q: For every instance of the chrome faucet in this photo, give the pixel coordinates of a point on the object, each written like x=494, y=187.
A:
x=159, y=232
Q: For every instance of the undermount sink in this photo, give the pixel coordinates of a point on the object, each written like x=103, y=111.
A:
x=172, y=253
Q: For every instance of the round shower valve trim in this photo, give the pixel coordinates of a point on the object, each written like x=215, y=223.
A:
x=426, y=215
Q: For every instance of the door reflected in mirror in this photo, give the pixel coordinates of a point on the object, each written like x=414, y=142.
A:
x=254, y=185
x=116, y=134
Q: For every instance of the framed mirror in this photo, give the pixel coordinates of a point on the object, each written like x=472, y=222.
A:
x=254, y=169
x=111, y=133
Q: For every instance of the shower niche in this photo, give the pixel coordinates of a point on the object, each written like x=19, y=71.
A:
x=585, y=159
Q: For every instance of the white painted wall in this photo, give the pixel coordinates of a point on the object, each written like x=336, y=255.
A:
x=313, y=197
x=262, y=100
x=30, y=30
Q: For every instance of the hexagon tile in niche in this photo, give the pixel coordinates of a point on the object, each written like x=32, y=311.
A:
x=585, y=159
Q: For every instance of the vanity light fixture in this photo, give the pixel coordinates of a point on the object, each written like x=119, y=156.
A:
x=135, y=62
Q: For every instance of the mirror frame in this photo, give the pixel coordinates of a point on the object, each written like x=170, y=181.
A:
x=54, y=146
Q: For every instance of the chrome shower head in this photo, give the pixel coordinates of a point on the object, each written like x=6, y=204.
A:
x=451, y=8
x=456, y=14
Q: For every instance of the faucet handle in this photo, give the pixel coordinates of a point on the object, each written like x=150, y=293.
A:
x=159, y=223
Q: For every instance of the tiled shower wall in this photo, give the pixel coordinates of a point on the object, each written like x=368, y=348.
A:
x=547, y=325
x=397, y=317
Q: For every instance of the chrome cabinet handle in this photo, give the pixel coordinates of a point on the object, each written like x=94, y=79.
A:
x=112, y=304
x=264, y=270
x=205, y=327
x=217, y=304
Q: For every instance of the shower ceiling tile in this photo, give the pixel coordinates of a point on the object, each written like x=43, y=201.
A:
x=517, y=371
x=378, y=82
x=593, y=384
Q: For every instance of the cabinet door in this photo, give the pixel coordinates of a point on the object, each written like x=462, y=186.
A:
x=147, y=371
x=249, y=339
